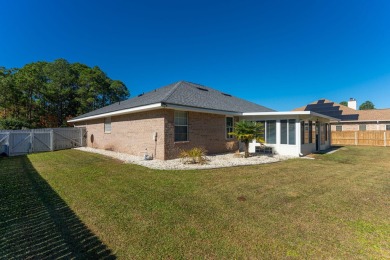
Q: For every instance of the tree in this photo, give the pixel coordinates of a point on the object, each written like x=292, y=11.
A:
x=30, y=81
x=246, y=131
x=344, y=103
x=45, y=94
x=366, y=105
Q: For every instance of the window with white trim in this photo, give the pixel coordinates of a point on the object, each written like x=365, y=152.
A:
x=181, y=126
x=387, y=127
x=339, y=128
x=229, y=127
x=362, y=127
x=287, y=131
x=270, y=132
x=107, y=125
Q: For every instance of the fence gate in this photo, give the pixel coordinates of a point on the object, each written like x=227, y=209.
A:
x=19, y=142
x=41, y=140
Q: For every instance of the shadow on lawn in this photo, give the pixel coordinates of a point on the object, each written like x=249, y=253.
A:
x=36, y=223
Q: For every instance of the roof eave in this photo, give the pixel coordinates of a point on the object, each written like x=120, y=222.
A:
x=200, y=109
x=118, y=113
x=290, y=113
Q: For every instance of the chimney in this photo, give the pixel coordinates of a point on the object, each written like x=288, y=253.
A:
x=352, y=103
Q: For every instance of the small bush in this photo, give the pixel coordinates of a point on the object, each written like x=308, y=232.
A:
x=196, y=155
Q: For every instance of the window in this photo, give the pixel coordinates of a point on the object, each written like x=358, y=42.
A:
x=229, y=127
x=283, y=131
x=339, y=128
x=287, y=131
x=271, y=132
x=362, y=127
x=181, y=126
x=107, y=125
x=310, y=132
x=387, y=127
x=291, y=131
x=302, y=132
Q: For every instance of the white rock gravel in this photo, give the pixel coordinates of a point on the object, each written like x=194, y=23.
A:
x=214, y=161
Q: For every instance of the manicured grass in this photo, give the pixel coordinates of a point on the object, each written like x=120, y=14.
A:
x=337, y=206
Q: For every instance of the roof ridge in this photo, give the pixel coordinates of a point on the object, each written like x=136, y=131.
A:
x=172, y=91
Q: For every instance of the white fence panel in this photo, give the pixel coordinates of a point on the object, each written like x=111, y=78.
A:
x=41, y=140
x=4, y=142
x=19, y=142
x=66, y=138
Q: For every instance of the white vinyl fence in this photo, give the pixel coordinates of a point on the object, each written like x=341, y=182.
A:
x=19, y=142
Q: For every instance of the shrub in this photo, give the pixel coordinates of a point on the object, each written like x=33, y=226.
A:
x=194, y=155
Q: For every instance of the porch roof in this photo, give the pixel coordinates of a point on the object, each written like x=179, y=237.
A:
x=301, y=114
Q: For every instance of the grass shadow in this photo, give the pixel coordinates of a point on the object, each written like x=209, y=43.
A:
x=36, y=223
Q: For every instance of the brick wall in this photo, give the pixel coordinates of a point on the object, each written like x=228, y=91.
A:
x=131, y=133
x=204, y=130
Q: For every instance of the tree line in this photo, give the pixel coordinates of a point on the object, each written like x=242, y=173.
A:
x=46, y=94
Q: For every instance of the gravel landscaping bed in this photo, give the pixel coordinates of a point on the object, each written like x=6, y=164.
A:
x=214, y=161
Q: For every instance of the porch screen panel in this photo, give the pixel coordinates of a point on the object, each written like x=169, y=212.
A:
x=271, y=132
x=283, y=131
x=322, y=133
x=302, y=132
x=326, y=131
x=310, y=132
x=262, y=136
x=291, y=131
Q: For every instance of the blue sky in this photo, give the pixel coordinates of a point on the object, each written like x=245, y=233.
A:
x=280, y=54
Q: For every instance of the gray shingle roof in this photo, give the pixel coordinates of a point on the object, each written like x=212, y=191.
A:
x=184, y=93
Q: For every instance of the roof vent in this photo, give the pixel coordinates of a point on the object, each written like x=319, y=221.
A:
x=203, y=89
x=141, y=94
x=228, y=95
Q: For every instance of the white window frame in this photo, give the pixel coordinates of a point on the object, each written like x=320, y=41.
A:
x=229, y=129
x=174, y=123
x=107, y=125
x=287, y=134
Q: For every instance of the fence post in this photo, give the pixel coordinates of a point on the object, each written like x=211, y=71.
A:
x=384, y=138
x=31, y=141
x=51, y=140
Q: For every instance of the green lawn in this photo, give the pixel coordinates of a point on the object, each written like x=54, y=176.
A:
x=337, y=206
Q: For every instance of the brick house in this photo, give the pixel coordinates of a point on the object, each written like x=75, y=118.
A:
x=348, y=117
x=184, y=115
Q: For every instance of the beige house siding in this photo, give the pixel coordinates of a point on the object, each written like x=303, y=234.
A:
x=204, y=130
x=133, y=133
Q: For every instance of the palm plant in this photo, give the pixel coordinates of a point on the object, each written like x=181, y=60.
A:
x=246, y=131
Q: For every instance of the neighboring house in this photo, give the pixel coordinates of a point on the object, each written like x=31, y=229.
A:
x=184, y=115
x=350, y=119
